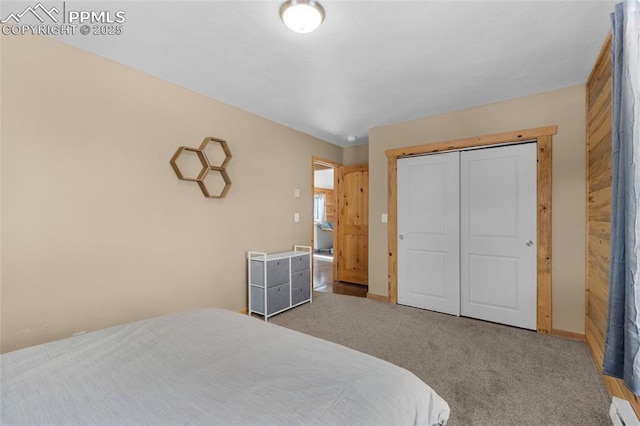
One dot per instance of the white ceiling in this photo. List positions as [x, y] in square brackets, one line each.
[371, 63]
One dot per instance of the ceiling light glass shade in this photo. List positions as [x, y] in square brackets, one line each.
[302, 16]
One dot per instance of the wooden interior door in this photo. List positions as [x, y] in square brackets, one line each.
[352, 246]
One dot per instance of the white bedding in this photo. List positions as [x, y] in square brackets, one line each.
[208, 367]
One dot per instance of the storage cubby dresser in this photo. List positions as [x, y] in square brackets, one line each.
[279, 281]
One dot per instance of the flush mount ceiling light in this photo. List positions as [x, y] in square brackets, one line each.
[302, 16]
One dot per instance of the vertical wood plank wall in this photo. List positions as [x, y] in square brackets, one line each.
[598, 173]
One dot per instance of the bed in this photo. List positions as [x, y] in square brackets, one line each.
[208, 367]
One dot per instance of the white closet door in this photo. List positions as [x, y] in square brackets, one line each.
[428, 232]
[498, 234]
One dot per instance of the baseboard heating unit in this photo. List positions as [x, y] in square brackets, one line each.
[622, 414]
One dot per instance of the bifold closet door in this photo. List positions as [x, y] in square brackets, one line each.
[498, 234]
[428, 232]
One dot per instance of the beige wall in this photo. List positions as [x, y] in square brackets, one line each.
[355, 155]
[564, 108]
[96, 228]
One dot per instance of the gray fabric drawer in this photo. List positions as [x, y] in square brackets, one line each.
[300, 294]
[257, 300]
[277, 272]
[299, 279]
[300, 263]
[277, 299]
[257, 272]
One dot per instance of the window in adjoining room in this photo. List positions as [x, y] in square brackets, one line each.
[319, 208]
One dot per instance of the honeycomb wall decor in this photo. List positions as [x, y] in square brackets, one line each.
[213, 156]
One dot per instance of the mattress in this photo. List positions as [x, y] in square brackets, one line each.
[208, 367]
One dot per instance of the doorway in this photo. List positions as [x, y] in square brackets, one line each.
[324, 222]
[325, 231]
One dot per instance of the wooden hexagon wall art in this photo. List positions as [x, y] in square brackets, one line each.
[216, 151]
[213, 156]
[181, 154]
[215, 183]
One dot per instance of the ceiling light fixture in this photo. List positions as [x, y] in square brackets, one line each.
[302, 16]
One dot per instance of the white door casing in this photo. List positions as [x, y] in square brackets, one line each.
[428, 232]
[498, 234]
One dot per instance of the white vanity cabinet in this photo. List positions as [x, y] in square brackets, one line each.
[279, 281]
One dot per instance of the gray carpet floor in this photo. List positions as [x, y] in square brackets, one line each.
[489, 374]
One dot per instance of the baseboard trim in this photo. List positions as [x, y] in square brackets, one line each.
[567, 334]
[385, 299]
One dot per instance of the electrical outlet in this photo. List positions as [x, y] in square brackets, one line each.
[296, 217]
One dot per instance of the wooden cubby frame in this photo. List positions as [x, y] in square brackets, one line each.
[201, 157]
[225, 149]
[225, 177]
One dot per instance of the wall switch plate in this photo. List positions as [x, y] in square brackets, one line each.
[385, 218]
[296, 193]
[296, 217]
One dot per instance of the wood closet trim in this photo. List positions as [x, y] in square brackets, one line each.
[543, 137]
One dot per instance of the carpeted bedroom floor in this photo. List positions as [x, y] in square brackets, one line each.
[488, 373]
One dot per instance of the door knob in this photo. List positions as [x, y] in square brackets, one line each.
[401, 236]
[528, 243]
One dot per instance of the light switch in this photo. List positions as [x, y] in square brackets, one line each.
[296, 193]
[296, 217]
[385, 218]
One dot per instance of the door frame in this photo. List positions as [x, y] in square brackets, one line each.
[333, 165]
[543, 136]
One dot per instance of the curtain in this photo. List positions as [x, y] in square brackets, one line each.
[622, 346]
